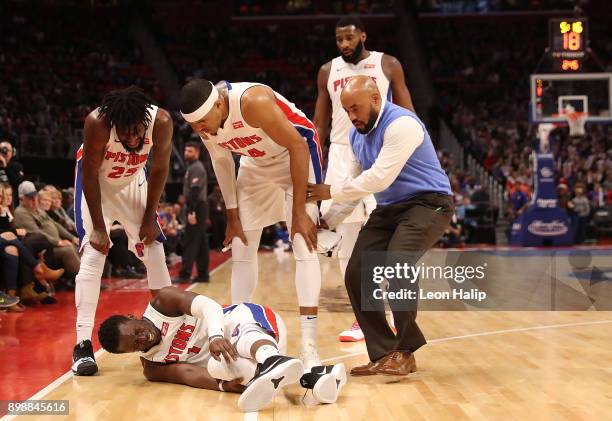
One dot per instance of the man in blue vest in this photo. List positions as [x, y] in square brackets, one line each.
[395, 160]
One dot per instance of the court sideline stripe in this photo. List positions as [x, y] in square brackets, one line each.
[474, 335]
[252, 416]
[61, 379]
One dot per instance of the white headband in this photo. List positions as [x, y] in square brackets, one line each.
[203, 109]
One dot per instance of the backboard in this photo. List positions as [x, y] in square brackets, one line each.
[552, 94]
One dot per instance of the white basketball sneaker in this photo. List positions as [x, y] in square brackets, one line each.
[325, 382]
[275, 373]
[354, 334]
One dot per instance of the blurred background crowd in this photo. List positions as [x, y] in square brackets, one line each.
[474, 57]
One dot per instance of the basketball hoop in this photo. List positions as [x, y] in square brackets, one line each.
[576, 122]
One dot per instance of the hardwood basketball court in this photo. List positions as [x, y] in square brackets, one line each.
[477, 365]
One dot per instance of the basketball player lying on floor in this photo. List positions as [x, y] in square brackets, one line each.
[181, 330]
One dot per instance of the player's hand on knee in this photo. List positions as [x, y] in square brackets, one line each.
[149, 231]
[234, 229]
[233, 386]
[303, 225]
[99, 240]
[221, 346]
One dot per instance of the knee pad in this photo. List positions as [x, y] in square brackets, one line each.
[300, 249]
[242, 252]
[155, 262]
[92, 265]
[250, 334]
[241, 368]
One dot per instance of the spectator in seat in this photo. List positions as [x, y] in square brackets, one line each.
[519, 199]
[56, 211]
[10, 167]
[581, 206]
[598, 196]
[13, 254]
[452, 234]
[170, 228]
[29, 216]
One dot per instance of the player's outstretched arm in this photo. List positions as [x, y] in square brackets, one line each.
[96, 133]
[259, 109]
[187, 374]
[322, 113]
[162, 148]
[395, 73]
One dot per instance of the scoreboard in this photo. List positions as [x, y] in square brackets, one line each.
[568, 42]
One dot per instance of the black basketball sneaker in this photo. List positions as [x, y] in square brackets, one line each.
[83, 360]
[325, 382]
[275, 373]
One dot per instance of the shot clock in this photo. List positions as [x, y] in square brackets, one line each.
[568, 42]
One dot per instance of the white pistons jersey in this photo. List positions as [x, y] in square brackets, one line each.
[253, 143]
[339, 75]
[119, 166]
[184, 339]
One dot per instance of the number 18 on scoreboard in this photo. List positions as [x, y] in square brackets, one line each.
[568, 42]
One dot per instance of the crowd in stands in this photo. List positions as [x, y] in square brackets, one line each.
[51, 74]
[483, 6]
[483, 90]
[302, 7]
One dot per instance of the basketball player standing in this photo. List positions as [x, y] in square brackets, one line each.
[111, 185]
[388, 74]
[280, 152]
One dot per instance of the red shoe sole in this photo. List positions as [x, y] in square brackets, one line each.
[349, 339]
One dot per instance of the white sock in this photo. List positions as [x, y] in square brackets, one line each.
[87, 291]
[264, 352]
[308, 325]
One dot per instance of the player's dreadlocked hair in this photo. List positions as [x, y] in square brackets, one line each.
[108, 335]
[125, 108]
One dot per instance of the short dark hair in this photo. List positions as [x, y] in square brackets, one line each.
[127, 107]
[194, 144]
[108, 335]
[351, 20]
[194, 94]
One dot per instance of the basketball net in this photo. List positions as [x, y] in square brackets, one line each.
[576, 121]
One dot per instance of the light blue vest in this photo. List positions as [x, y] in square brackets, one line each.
[422, 172]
